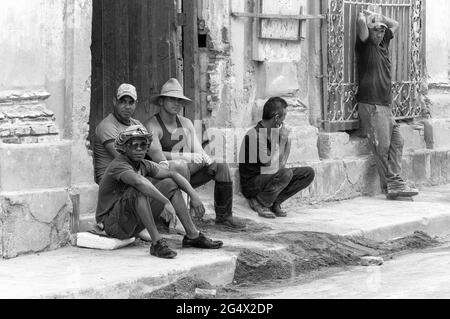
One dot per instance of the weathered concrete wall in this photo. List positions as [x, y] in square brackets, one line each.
[236, 80]
[438, 40]
[44, 107]
[243, 72]
[78, 20]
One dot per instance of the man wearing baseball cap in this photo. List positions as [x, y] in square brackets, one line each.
[106, 132]
[374, 34]
[125, 103]
[176, 137]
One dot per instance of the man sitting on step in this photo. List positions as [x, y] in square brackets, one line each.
[128, 202]
[176, 137]
[125, 103]
[265, 180]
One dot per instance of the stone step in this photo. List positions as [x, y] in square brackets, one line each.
[130, 272]
[26, 167]
[335, 180]
[34, 221]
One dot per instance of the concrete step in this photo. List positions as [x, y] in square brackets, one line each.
[336, 179]
[26, 167]
[130, 272]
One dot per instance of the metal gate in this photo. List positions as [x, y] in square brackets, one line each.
[407, 56]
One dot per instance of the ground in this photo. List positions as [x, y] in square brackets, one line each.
[310, 241]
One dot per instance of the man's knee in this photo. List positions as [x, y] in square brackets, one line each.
[398, 141]
[221, 171]
[168, 187]
[181, 168]
[309, 173]
[285, 175]
[381, 147]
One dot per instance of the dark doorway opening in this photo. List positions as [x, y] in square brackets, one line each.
[140, 42]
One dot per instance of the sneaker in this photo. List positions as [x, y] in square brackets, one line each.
[202, 242]
[408, 192]
[162, 250]
[276, 209]
[230, 222]
[392, 193]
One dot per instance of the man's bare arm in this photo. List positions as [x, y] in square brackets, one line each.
[285, 152]
[391, 23]
[144, 186]
[196, 203]
[155, 151]
[361, 27]
[111, 150]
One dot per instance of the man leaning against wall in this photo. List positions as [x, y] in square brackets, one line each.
[374, 34]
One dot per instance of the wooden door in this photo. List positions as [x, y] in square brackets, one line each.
[133, 41]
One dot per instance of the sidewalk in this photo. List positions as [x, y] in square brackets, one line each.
[130, 272]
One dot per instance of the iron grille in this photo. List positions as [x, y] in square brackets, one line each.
[340, 108]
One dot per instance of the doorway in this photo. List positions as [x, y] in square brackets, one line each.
[142, 42]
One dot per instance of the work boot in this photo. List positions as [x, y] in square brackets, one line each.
[201, 242]
[223, 205]
[162, 250]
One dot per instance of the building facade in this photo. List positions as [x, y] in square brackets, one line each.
[61, 61]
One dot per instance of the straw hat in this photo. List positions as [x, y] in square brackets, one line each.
[171, 88]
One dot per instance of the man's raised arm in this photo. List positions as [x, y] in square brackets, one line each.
[361, 27]
[391, 23]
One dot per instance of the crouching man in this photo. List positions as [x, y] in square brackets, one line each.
[128, 202]
[265, 180]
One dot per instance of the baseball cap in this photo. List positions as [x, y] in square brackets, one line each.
[126, 89]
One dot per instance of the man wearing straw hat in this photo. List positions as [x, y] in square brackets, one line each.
[374, 34]
[125, 103]
[175, 136]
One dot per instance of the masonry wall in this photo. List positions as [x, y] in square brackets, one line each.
[438, 27]
[44, 111]
[241, 72]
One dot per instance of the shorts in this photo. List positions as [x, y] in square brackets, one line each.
[122, 221]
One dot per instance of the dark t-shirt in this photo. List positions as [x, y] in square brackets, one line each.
[170, 141]
[374, 71]
[254, 154]
[112, 187]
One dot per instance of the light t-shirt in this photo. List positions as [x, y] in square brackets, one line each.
[106, 132]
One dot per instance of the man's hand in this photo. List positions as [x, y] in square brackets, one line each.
[169, 215]
[195, 158]
[207, 160]
[197, 208]
[164, 164]
[369, 13]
